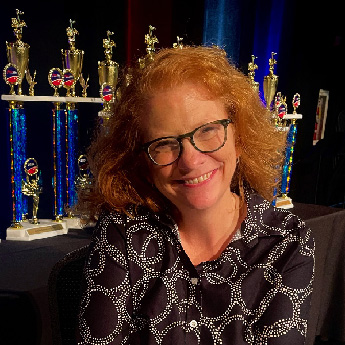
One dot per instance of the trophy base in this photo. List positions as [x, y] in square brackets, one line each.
[105, 114]
[72, 222]
[28, 231]
[284, 202]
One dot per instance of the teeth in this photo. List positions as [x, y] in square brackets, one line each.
[199, 179]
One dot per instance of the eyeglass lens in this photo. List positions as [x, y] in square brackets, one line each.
[207, 138]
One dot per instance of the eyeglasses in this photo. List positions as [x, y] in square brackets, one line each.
[207, 138]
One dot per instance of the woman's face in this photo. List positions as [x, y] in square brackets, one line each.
[195, 180]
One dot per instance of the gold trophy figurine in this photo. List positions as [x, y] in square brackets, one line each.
[32, 83]
[84, 180]
[296, 101]
[18, 53]
[72, 59]
[178, 44]
[84, 84]
[252, 66]
[31, 186]
[270, 82]
[150, 41]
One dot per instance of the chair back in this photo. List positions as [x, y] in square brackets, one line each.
[64, 289]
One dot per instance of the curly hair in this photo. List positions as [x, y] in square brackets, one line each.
[117, 162]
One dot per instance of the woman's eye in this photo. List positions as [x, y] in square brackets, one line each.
[166, 145]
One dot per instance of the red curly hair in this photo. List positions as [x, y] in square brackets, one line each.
[117, 162]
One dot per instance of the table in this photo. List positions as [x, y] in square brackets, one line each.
[24, 270]
[25, 267]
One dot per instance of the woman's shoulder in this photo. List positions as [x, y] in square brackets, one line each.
[133, 218]
[264, 219]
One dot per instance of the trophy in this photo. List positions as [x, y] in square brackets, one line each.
[72, 59]
[18, 55]
[84, 84]
[178, 44]
[150, 41]
[55, 80]
[84, 179]
[270, 82]
[296, 102]
[288, 125]
[69, 81]
[252, 66]
[31, 186]
[12, 77]
[108, 71]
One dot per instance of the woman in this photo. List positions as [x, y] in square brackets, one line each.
[186, 250]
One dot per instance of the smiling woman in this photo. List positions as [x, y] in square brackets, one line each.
[184, 236]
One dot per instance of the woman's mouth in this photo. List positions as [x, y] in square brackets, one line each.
[200, 179]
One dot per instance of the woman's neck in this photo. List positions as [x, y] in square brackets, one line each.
[205, 234]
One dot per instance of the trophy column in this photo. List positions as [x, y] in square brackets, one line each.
[59, 136]
[284, 201]
[71, 116]
[17, 124]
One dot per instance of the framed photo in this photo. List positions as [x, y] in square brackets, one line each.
[321, 115]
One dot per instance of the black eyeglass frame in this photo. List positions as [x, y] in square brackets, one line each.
[224, 122]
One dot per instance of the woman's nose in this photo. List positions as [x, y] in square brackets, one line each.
[190, 157]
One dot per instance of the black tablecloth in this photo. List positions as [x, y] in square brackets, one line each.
[24, 270]
[25, 267]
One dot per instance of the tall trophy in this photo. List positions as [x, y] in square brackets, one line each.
[34, 229]
[72, 59]
[18, 54]
[108, 71]
[150, 41]
[270, 82]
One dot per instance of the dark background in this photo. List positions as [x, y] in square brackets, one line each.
[310, 58]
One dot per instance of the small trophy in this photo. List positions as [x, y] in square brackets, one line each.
[107, 94]
[55, 80]
[178, 44]
[150, 41]
[280, 110]
[68, 81]
[252, 66]
[18, 54]
[296, 102]
[84, 179]
[12, 77]
[270, 82]
[31, 186]
[84, 84]
[72, 59]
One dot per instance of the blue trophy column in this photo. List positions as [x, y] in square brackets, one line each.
[287, 168]
[71, 155]
[18, 156]
[59, 148]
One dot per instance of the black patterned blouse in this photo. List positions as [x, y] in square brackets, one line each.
[141, 287]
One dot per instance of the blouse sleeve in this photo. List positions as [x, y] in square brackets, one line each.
[292, 273]
[105, 310]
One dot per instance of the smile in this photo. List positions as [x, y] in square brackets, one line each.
[199, 179]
